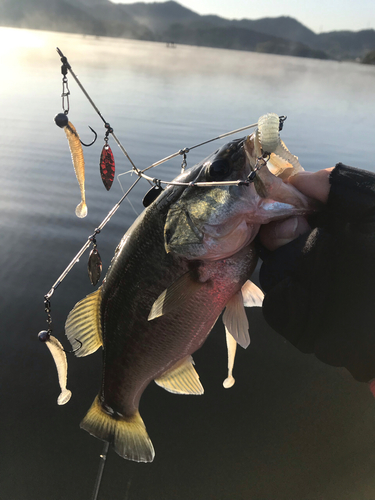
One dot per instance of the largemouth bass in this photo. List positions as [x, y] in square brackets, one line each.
[185, 259]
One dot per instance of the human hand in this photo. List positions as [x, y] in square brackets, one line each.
[278, 233]
[319, 288]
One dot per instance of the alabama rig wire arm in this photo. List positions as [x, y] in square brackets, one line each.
[45, 336]
[139, 172]
[184, 151]
[65, 62]
[88, 242]
[261, 161]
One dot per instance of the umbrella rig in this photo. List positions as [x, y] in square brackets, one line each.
[107, 173]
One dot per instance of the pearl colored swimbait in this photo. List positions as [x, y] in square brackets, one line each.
[77, 158]
[282, 162]
[59, 357]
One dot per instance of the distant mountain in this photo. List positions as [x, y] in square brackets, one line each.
[347, 44]
[117, 20]
[239, 39]
[283, 27]
[54, 15]
[89, 3]
[369, 58]
[170, 21]
[159, 16]
[279, 27]
[72, 16]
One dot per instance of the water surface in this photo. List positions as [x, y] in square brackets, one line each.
[291, 427]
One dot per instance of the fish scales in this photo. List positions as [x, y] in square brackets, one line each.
[188, 256]
[149, 348]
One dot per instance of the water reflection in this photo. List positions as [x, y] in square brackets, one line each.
[291, 427]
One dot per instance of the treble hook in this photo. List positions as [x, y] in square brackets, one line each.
[91, 143]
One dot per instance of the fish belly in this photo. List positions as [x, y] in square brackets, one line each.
[137, 351]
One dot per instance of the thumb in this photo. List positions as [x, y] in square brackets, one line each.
[313, 184]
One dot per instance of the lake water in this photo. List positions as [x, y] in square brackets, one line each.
[291, 428]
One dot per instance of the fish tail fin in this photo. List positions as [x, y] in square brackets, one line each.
[81, 210]
[127, 435]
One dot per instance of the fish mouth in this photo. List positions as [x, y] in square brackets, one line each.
[230, 242]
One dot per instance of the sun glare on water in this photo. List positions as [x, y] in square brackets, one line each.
[22, 50]
[13, 39]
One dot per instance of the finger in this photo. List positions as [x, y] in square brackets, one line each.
[279, 233]
[313, 184]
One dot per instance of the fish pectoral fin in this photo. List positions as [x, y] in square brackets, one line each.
[181, 378]
[84, 324]
[128, 435]
[235, 320]
[252, 295]
[232, 347]
[175, 296]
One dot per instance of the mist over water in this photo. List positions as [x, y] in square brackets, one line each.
[291, 427]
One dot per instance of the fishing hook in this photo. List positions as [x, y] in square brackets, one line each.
[281, 122]
[74, 350]
[45, 335]
[91, 143]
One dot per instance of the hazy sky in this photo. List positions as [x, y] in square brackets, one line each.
[318, 15]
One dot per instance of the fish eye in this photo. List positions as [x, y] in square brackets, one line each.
[219, 169]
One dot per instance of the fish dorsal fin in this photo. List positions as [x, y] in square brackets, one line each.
[252, 295]
[84, 324]
[181, 378]
[175, 296]
[232, 347]
[235, 320]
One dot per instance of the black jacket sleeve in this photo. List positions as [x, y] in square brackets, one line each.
[320, 289]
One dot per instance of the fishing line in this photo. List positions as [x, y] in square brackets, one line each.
[103, 459]
[123, 190]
